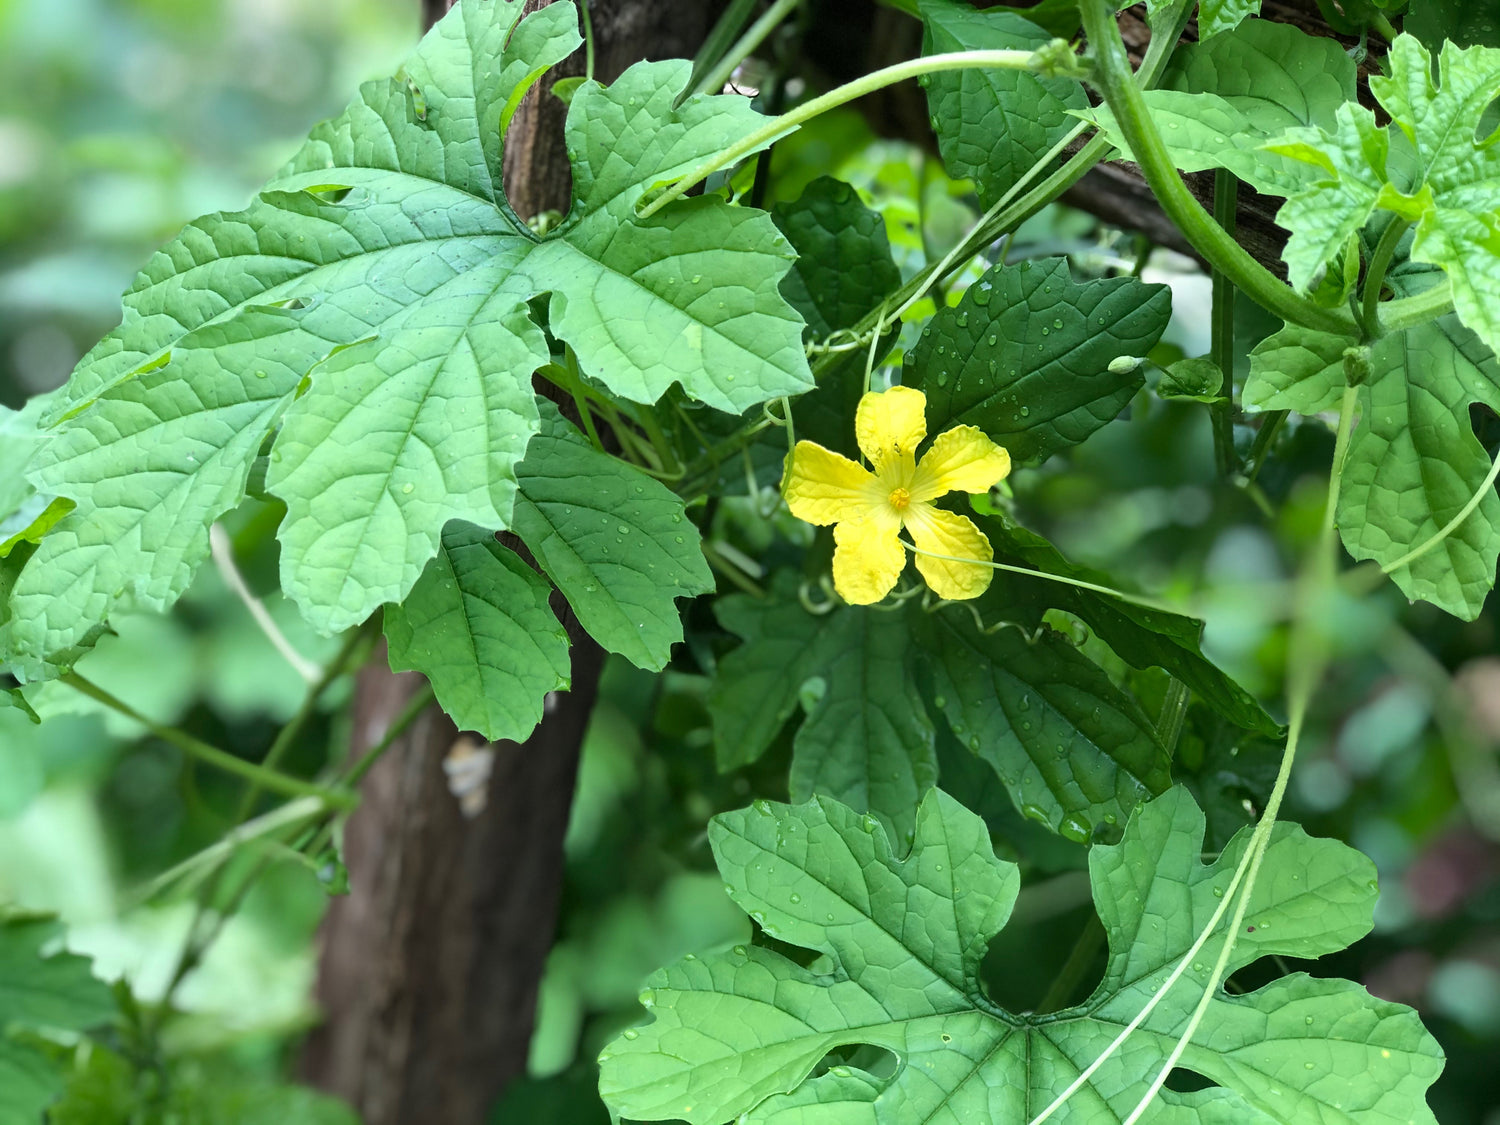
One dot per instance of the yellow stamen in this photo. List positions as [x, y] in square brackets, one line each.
[900, 498]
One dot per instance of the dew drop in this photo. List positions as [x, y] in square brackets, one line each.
[1025, 410]
[963, 319]
[632, 1034]
[1308, 1066]
[940, 701]
[795, 899]
[697, 277]
[1057, 323]
[1218, 892]
[260, 374]
[624, 530]
[1034, 812]
[408, 488]
[1075, 828]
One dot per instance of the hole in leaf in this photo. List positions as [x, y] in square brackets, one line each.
[1486, 424]
[329, 193]
[877, 1062]
[1185, 1081]
[1044, 935]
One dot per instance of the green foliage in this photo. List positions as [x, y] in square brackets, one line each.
[992, 125]
[53, 993]
[844, 267]
[1026, 353]
[478, 626]
[739, 1034]
[1224, 98]
[615, 542]
[401, 404]
[1072, 749]
[1441, 175]
[1143, 637]
[1415, 462]
[867, 739]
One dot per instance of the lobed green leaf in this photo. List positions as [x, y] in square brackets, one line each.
[737, 1035]
[372, 311]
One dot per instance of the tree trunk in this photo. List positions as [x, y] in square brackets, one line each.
[429, 968]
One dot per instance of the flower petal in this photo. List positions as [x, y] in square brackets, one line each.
[889, 426]
[824, 487]
[961, 459]
[944, 533]
[868, 557]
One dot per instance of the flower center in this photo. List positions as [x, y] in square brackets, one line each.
[900, 499]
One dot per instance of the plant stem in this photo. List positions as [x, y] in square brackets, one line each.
[1485, 489]
[419, 702]
[992, 227]
[1117, 83]
[291, 814]
[212, 755]
[1380, 263]
[777, 127]
[1307, 659]
[1263, 438]
[1133, 599]
[288, 733]
[1173, 711]
[1408, 312]
[1221, 339]
[754, 36]
[223, 555]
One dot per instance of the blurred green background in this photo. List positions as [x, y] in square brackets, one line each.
[121, 120]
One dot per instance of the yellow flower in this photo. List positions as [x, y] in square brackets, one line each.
[870, 509]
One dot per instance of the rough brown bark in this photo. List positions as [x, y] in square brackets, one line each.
[430, 967]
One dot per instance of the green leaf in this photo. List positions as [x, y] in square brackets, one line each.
[29, 1082]
[1025, 355]
[1203, 130]
[1277, 75]
[57, 992]
[1192, 380]
[866, 741]
[613, 540]
[478, 626]
[11, 699]
[1073, 750]
[844, 266]
[1465, 22]
[1218, 16]
[844, 269]
[736, 1035]
[992, 125]
[1140, 636]
[52, 993]
[1298, 369]
[1449, 189]
[1224, 98]
[374, 303]
[1414, 462]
